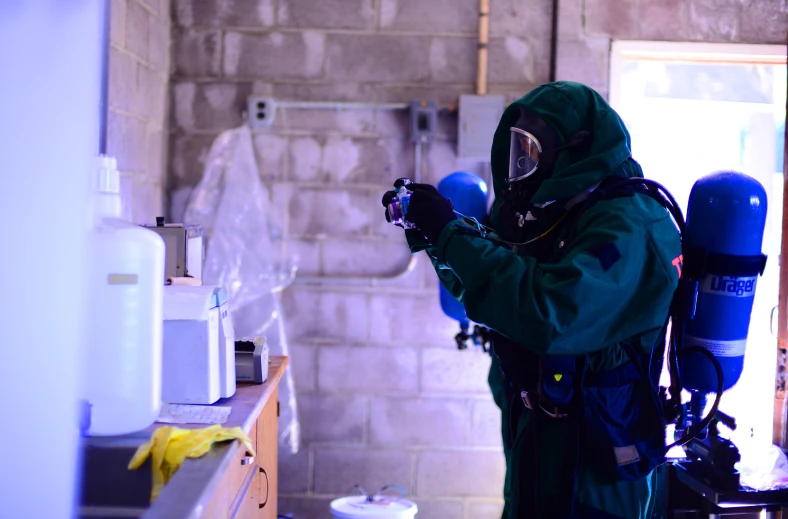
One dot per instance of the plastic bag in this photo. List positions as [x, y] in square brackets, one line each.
[247, 253]
[763, 466]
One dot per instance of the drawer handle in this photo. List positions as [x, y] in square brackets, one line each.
[247, 460]
[267, 488]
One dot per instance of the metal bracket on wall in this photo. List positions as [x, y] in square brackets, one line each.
[261, 110]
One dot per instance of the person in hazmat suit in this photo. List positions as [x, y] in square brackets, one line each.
[575, 289]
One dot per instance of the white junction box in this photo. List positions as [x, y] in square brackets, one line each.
[478, 119]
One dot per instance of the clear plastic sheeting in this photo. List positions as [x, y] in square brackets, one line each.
[763, 466]
[246, 252]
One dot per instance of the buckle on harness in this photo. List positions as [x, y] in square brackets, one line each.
[526, 400]
[556, 412]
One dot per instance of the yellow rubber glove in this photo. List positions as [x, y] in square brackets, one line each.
[170, 446]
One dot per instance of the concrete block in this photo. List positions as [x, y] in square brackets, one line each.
[453, 60]
[271, 152]
[440, 509]
[459, 473]
[436, 16]
[334, 418]
[308, 255]
[328, 14]
[209, 106]
[516, 60]
[137, 29]
[151, 94]
[126, 195]
[444, 95]
[419, 421]
[122, 80]
[127, 142]
[177, 199]
[275, 55]
[147, 201]
[364, 258]
[485, 510]
[325, 316]
[570, 20]
[584, 61]
[304, 506]
[410, 319]
[486, 424]
[187, 159]
[366, 161]
[713, 23]
[197, 52]
[615, 18]
[304, 159]
[393, 123]
[293, 477]
[763, 22]
[338, 469]
[156, 167]
[663, 20]
[223, 13]
[441, 160]
[366, 368]
[159, 44]
[447, 370]
[517, 18]
[117, 29]
[376, 58]
[324, 122]
[335, 91]
[303, 360]
[333, 212]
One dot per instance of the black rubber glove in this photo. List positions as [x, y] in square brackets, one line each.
[413, 235]
[429, 211]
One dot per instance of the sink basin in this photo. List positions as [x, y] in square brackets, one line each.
[109, 490]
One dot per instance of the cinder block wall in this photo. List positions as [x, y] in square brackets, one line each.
[383, 394]
[139, 73]
[586, 28]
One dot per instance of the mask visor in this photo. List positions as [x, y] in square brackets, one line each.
[524, 150]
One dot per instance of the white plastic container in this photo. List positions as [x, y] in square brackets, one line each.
[191, 346]
[356, 507]
[124, 346]
[226, 344]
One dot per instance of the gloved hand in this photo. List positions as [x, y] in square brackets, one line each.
[429, 211]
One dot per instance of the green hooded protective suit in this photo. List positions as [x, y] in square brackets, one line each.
[571, 300]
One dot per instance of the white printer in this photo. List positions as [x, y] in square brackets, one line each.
[198, 365]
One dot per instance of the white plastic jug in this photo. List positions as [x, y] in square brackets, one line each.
[124, 348]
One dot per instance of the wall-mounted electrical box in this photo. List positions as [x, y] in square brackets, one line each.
[478, 119]
[423, 120]
[260, 111]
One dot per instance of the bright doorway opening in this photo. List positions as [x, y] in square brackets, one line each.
[696, 108]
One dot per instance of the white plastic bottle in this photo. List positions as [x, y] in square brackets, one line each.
[124, 350]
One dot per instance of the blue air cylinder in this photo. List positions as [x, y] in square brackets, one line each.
[468, 194]
[726, 216]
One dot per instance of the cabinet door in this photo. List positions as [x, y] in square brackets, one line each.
[248, 500]
[267, 457]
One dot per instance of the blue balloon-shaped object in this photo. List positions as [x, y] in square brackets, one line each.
[468, 194]
[726, 216]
